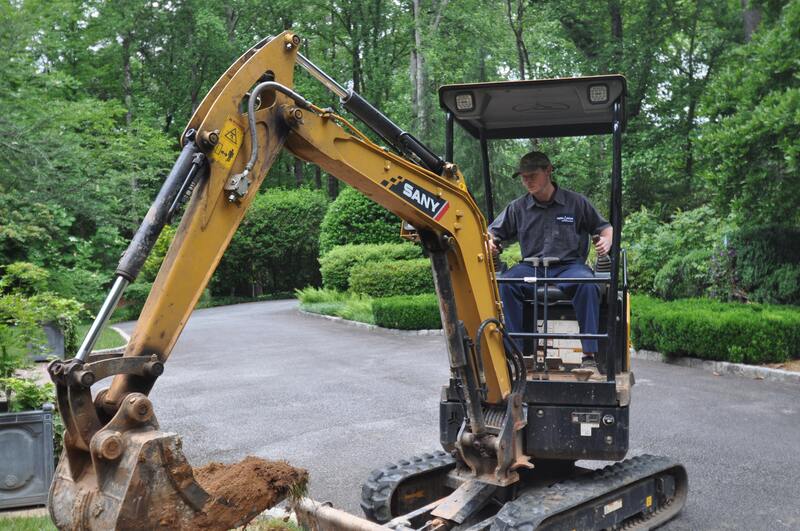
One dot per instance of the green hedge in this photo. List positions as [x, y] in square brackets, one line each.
[749, 333]
[354, 218]
[408, 312]
[276, 246]
[335, 265]
[767, 262]
[386, 278]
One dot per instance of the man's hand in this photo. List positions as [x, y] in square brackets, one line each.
[493, 247]
[602, 241]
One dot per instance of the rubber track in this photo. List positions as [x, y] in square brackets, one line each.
[532, 508]
[376, 492]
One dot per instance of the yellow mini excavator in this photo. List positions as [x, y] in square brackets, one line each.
[513, 420]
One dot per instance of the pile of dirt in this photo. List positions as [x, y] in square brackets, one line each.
[243, 490]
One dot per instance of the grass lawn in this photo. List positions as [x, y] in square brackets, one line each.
[43, 523]
[26, 523]
[108, 339]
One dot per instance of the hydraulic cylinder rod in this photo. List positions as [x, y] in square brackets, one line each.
[376, 120]
[185, 168]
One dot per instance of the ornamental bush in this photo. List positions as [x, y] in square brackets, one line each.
[354, 218]
[702, 328]
[408, 312]
[335, 265]
[276, 247]
[684, 276]
[386, 278]
[766, 261]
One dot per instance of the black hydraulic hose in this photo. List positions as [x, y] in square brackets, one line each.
[513, 355]
[251, 117]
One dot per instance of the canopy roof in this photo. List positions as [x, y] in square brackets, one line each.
[536, 109]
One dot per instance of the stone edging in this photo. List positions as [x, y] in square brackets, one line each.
[374, 328]
[721, 367]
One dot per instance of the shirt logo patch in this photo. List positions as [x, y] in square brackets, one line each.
[565, 219]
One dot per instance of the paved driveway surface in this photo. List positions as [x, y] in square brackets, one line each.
[263, 379]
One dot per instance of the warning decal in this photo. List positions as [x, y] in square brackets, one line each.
[230, 140]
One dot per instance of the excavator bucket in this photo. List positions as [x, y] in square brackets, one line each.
[139, 478]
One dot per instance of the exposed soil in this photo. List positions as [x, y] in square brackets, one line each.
[243, 490]
[791, 365]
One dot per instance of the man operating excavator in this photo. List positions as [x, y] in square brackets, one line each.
[554, 223]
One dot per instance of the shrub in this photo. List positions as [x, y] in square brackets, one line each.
[153, 263]
[751, 333]
[408, 312]
[336, 265]
[276, 247]
[354, 218]
[87, 287]
[328, 302]
[766, 261]
[684, 276]
[386, 277]
[652, 245]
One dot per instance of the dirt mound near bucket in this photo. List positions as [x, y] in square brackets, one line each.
[243, 490]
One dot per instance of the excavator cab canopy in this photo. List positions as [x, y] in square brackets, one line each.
[543, 108]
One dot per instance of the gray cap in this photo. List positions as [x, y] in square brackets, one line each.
[532, 162]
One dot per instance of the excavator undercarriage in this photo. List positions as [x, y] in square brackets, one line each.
[513, 422]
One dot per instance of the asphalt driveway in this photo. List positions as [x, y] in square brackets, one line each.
[262, 379]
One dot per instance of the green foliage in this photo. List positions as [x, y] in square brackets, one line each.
[766, 263]
[674, 250]
[131, 305]
[336, 264]
[701, 328]
[349, 306]
[276, 246]
[753, 139]
[408, 312]
[27, 394]
[157, 255]
[354, 218]
[24, 278]
[392, 277]
[684, 276]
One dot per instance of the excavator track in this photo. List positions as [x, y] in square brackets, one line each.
[401, 487]
[636, 494]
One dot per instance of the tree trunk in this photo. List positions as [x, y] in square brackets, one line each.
[317, 177]
[298, 173]
[615, 12]
[333, 187]
[418, 72]
[127, 82]
[751, 18]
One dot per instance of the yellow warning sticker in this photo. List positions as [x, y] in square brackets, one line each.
[230, 140]
[648, 501]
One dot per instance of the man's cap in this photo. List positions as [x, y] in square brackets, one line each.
[532, 162]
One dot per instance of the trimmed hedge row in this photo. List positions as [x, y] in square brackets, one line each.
[749, 333]
[408, 312]
[392, 277]
[336, 264]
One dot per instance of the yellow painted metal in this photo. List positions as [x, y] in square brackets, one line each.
[365, 166]
[210, 220]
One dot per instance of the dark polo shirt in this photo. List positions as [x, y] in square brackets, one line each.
[559, 228]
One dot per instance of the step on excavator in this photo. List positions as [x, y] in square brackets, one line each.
[514, 419]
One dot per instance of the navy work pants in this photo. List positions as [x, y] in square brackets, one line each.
[585, 297]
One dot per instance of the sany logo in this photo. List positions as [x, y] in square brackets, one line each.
[420, 197]
[429, 203]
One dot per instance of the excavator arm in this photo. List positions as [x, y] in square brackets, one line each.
[119, 469]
